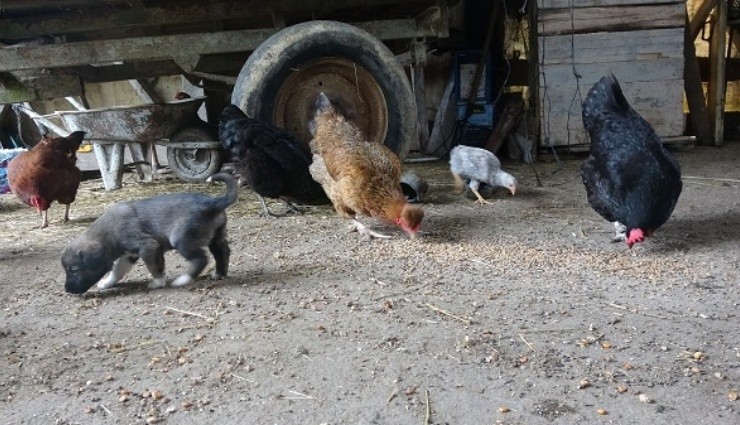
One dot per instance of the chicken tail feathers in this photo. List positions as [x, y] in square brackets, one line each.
[232, 112]
[323, 105]
[604, 99]
[232, 190]
[76, 139]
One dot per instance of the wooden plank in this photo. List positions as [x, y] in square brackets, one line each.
[611, 47]
[561, 4]
[649, 64]
[717, 88]
[74, 21]
[694, 91]
[626, 72]
[422, 121]
[444, 121]
[129, 49]
[559, 136]
[659, 102]
[27, 4]
[593, 19]
[650, 98]
[701, 15]
[41, 87]
[253, 14]
[126, 71]
[533, 58]
[185, 49]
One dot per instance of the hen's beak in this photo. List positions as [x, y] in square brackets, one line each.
[512, 190]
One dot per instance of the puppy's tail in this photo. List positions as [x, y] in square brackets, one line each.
[232, 190]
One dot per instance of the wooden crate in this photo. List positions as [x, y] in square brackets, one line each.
[639, 41]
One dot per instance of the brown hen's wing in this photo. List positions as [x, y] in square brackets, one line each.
[369, 179]
[69, 183]
[320, 174]
[385, 161]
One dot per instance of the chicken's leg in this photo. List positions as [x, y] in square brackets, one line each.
[266, 211]
[474, 185]
[480, 200]
[365, 231]
[459, 183]
[44, 219]
[66, 213]
[621, 230]
[291, 207]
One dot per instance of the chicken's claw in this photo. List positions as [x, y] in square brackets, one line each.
[481, 200]
[621, 232]
[363, 230]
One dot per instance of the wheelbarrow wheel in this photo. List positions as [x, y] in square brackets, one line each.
[280, 82]
[196, 164]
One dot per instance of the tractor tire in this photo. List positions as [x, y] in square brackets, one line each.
[282, 78]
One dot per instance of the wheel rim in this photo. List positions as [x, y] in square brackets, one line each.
[193, 162]
[351, 89]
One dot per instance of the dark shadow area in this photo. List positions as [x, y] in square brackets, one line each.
[686, 233]
[204, 282]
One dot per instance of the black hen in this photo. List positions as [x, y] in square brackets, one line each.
[630, 178]
[269, 160]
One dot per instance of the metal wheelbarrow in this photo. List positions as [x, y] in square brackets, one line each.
[193, 150]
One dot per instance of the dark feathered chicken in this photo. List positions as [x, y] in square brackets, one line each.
[47, 173]
[630, 178]
[269, 160]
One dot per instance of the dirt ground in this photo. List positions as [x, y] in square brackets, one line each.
[519, 312]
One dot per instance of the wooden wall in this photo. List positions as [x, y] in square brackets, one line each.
[639, 41]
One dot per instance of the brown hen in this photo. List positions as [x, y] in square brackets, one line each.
[47, 173]
[359, 176]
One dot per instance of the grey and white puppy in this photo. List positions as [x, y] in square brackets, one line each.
[146, 229]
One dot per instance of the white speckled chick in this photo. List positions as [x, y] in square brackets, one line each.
[479, 166]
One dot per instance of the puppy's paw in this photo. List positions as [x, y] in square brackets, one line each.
[182, 280]
[107, 281]
[157, 282]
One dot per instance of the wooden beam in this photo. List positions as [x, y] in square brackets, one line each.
[185, 49]
[534, 104]
[694, 90]
[41, 87]
[601, 19]
[9, 5]
[444, 121]
[203, 14]
[566, 4]
[485, 50]
[421, 107]
[717, 84]
[129, 49]
[126, 71]
[701, 15]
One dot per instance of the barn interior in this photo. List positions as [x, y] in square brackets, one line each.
[519, 311]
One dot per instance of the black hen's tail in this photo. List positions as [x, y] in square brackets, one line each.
[232, 191]
[231, 131]
[604, 100]
[230, 113]
[228, 123]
